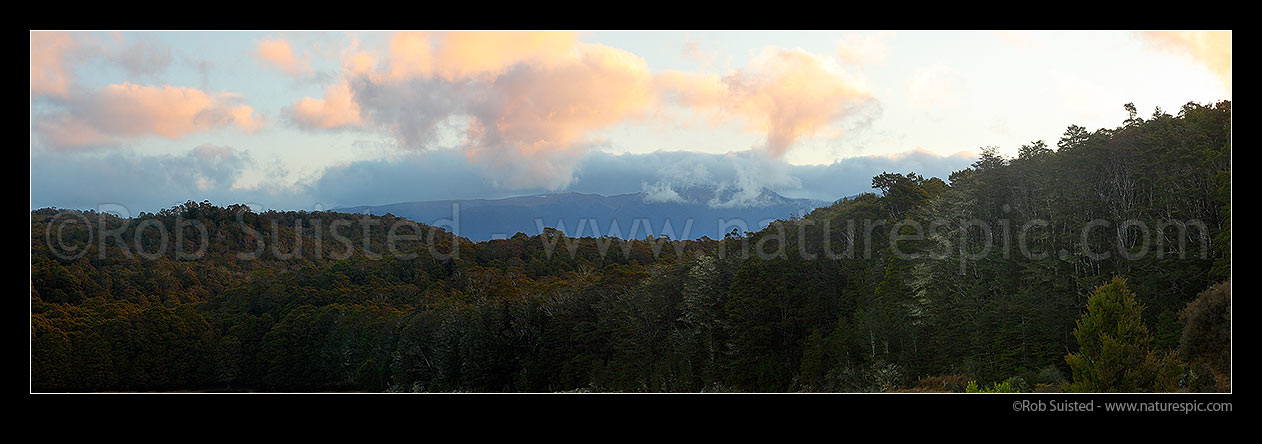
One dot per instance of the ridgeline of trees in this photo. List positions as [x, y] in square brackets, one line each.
[1022, 302]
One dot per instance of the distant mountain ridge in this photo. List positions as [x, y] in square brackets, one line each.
[688, 213]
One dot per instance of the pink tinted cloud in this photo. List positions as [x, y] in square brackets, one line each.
[54, 54]
[463, 54]
[411, 55]
[81, 118]
[277, 52]
[49, 72]
[460, 55]
[1210, 48]
[336, 110]
[128, 111]
[532, 101]
[535, 121]
[784, 94]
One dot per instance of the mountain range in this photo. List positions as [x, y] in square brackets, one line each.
[687, 213]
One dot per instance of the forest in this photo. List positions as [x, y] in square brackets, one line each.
[1099, 264]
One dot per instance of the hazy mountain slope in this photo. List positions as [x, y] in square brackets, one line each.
[689, 214]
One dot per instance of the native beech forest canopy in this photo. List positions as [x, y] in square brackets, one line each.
[918, 310]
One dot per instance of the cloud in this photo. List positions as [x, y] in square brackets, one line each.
[277, 52]
[411, 110]
[531, 123]
[215, 173]
[864, 49]
[661, 192]
[140, 182]
[53, 55]
[784, 94]
[528, 103]
[213, 166]
[528, 100]
[76, 118]
[1210, 48]
[357, 62]
[666, 176]
[691, 50]
[935, 87]
[336, 110]
[732, 180]
[50, 74]
[412, 176]
[411, 55]
[143, 58]
[464, 55]
[127, 111]
[850, 176]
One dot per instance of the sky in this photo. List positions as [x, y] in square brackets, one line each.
[322, 120]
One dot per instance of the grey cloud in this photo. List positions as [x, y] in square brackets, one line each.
[446, 174]
[150, 183]
[412, 110]
[851, 176]
[143, 58]
[147, 182]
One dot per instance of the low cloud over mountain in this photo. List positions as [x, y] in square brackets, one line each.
[739, 179]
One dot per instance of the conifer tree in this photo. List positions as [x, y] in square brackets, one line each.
[1115, 348]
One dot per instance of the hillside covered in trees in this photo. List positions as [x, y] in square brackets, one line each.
[1101, 263]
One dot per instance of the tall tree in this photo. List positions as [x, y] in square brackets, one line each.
[1206, 340]
[1114, 346]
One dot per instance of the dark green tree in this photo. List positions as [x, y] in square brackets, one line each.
[1114, 346]
[1206, 340]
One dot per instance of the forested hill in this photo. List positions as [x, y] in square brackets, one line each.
[991, 277]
